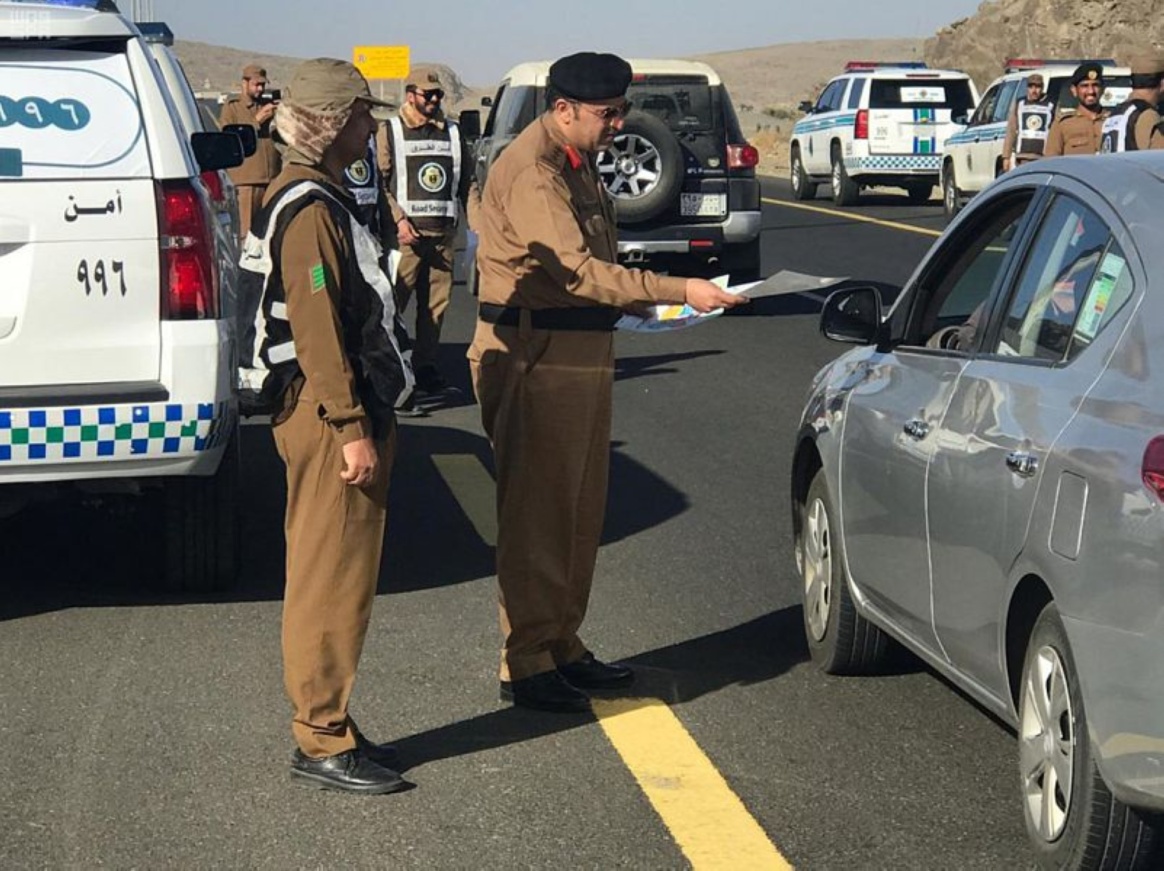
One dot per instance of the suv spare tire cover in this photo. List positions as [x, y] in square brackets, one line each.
[644, 145]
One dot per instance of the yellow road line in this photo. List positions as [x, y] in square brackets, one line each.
[707, 820]
[474, 490]
[893, 225]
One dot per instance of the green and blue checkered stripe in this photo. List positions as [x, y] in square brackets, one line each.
[112, 432]
[895, 162]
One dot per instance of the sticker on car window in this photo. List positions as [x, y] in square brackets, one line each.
[1111, 269]
[72, 115]
[923, 94]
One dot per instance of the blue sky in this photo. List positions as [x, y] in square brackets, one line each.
[481, 39]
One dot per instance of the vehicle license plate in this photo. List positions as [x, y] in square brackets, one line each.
[703, 205]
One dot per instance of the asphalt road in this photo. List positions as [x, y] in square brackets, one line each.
[144, 731]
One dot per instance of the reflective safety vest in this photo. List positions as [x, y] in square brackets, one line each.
[1033, 121]
[362, 179]
[426, 172]
[375, 338]
[1119, 130]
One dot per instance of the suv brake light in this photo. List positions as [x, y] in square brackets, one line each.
[742, 156]
[189, 272]
[861, 127]
[1152, 469]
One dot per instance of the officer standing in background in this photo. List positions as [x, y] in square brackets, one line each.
[1131, 126]
[257, 171]
[542, 362]
[427, 168]
[1079, 132]
[1027, 125]
[338, 369]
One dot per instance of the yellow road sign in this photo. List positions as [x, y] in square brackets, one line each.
[382, 61]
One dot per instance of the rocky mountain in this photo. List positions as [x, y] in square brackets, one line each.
[1046, 28]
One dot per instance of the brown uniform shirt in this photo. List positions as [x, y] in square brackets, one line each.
[1147, 136]
[547, 235]
[262, 166]
[1075, 134]
[311, 261]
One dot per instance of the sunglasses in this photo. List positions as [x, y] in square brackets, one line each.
[607, 113]
[435, 95]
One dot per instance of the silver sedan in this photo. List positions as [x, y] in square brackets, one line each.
[982, 481]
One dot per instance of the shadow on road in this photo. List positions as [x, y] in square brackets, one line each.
[626, 368]
[750, 653]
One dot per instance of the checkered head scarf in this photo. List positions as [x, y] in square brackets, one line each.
[308, 133]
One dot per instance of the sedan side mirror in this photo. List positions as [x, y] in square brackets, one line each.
[852, 315]
[246, 134]
[217, 150]
[806, 106]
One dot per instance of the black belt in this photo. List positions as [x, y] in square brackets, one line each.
[599, 318]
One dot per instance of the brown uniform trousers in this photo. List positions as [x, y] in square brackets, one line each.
[548, 241]
[258, 170]
[335, 534]
[426, 269]
[250, 199]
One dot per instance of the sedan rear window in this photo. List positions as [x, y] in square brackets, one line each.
[70, 113]
[922, 93]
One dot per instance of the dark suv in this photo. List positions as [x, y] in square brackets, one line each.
[682, 176]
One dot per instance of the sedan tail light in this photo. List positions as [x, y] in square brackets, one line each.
[1152, 469]
[188, 269]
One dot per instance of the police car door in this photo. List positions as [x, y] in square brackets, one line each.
[986, 150]
[823, 128]
[79, 251]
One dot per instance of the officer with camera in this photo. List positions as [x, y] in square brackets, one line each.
[254, 105]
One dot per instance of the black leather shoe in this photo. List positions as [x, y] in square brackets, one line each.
[382, 754]
[590, 674]
[347, 772]
[547, 691]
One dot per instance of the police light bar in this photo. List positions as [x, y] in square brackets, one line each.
[95, 5]
[1018, 64]
[156, 31]
[854, 65]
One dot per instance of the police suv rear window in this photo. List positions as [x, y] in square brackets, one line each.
[922, 93]
[70, 112]
[681, 102]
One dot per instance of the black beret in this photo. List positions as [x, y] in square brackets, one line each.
[1087, 72]
[589, 76]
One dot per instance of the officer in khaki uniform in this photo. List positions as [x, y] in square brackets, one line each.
[427, 168]
[1133, 124]
[1027, 125]
[336, 431]
[1079, 132]
[542, 363]
[255, 173]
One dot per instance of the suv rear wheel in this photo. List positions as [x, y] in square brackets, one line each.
[919, 192]
[643, 168]
[951, 198]
[845, 190]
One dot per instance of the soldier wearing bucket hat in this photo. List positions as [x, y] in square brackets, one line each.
[255, 173]
[1132, 125]
[542, 361]
[1079, 132]
[1027, 125]
[335, 372]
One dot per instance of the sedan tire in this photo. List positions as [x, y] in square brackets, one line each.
[1072, 818]
[840, 640]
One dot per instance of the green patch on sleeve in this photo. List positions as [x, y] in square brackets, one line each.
[318, 278]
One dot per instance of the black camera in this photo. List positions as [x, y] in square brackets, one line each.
[272, 96]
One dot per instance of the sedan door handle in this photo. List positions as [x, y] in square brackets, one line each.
[1022, 464]
[917, 429]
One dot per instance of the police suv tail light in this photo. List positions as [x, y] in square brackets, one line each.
[189, 273]
[1152, 469]
[742, 156]
[213, 182]
[861, 126]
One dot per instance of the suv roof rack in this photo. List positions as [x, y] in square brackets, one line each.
[156, 31]
[854, 65]
[1018, 64]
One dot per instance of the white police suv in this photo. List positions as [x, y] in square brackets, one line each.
[878, 123]
[972, 157]
[117, 348]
